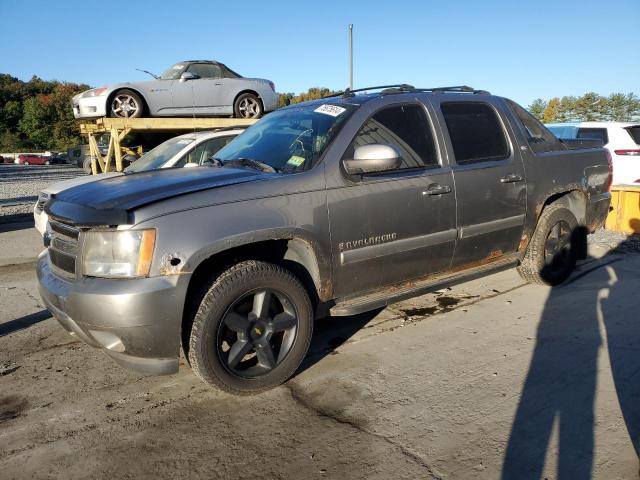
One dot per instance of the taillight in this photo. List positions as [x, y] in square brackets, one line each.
[627, 152]
[610, 165]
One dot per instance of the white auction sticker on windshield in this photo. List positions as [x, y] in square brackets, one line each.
[332, 110]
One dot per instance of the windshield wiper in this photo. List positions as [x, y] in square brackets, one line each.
[148, 72]
[251, 163]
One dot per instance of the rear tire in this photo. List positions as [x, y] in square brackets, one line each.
[26, 163]
[252, 328]
[248, 105]
[47, 162]
[550, 258]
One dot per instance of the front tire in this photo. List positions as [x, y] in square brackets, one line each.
[126, 104]
[247, 105]
[252, 328]
[550, 258]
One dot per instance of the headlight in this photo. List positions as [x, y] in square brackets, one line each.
[94, 92]
[118, 254]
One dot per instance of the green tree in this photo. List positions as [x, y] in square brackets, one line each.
[566, 109]
[589, 107]
[537, 108]
[36, 121]
[10, 142]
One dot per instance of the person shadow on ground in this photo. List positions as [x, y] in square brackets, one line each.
[600, 300]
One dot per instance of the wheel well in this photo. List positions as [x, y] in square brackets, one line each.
[113, 94]
[574, 200]
[293, 254]
[253, 92]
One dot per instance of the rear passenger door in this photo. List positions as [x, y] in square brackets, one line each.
[489, 179]
[392, 226]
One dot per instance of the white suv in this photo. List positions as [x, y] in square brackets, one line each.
[622, 139]
[188, 150]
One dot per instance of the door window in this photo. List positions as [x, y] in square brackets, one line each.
[540, 139]
[404, 126]
[205, 70]
[204, 151]
[475, 132]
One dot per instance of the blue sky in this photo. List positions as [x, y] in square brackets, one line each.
[522, 50]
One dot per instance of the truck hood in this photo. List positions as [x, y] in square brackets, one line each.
[74, 182]
[109, 201]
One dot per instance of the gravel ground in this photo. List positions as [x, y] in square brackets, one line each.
[615, 241]
[20, 184]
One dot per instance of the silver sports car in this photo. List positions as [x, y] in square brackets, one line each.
[193, 87]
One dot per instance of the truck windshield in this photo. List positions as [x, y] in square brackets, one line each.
[289, 140]
[160, 155]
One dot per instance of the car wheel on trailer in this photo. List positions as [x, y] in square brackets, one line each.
[47, 162]
[550, 258]
[26, 163]
[247, 105]
[126, 104]
[251, 329]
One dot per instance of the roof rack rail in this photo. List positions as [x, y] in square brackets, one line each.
[347, 92]
[404, 88]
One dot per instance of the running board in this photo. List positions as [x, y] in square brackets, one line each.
[394, 294]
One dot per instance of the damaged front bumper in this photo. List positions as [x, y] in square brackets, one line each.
[134, 321]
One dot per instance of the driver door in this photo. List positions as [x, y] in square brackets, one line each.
[391, 227]
[202, 95]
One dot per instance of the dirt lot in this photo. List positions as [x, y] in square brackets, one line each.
[492, 378]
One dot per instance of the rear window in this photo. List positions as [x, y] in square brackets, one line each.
[635, 133]
[475, 132]
[594, 134]
[539, 138]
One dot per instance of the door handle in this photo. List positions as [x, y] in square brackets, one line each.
[217, 84]
[437, 189]
[511, 178]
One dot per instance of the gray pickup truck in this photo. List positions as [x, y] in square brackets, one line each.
[336, 206]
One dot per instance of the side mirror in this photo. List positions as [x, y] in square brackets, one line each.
[188, 76]
[373, 158]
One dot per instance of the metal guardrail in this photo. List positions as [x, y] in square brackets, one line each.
[625, 213]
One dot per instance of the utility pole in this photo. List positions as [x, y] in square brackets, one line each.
[351, 56]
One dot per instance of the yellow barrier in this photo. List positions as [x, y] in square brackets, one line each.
[625, 213]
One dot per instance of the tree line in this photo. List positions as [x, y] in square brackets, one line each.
[617, 107]
[37, 115]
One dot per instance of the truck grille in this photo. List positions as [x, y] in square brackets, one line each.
[63, 249]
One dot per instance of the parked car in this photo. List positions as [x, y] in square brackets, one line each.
[193, 87]
[29, 159]
[340, 205]
[190, 149]
[622, 139]
[3, 160]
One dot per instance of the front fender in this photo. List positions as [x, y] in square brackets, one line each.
[302, 247]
